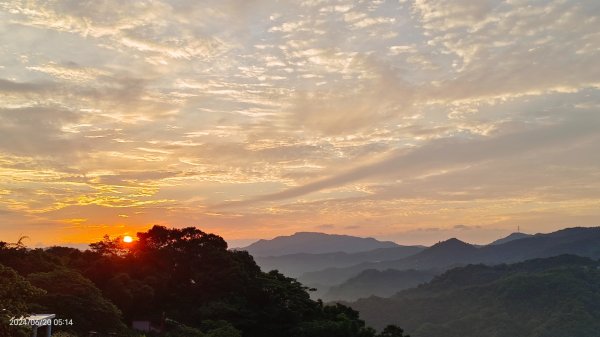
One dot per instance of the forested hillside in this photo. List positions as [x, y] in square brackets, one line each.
[558, 296]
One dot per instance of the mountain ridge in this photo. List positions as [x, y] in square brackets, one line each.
[315, 243]
[297, 264]
[583, 241]
[556, 296]
[373, 282]
[510, 237]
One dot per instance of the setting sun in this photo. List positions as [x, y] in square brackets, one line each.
[127, 239]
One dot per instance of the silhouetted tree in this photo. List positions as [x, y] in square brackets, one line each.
[15, 295]
[72, 296]
[110, 247]
[392, 331]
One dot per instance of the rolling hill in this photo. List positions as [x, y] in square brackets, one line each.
[295, 265]
[378, 283]
[440, 256]
[549, 297]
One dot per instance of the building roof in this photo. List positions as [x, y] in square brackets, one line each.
[39, 318]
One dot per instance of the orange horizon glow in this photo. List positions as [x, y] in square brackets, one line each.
[408, 121]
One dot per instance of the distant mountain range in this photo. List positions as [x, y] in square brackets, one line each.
[440, 256]
[557, 296]
[335, 264]
[297, 264]
[453, 252]
[314, 243]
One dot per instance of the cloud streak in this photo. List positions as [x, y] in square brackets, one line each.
[447, 153]
[377, 117]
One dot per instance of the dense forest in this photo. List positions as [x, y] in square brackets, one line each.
[549, 297]
[186, 282]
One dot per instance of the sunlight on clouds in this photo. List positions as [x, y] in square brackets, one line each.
[70, 72]
[261, 118]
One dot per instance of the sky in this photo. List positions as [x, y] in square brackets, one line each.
[411, 121]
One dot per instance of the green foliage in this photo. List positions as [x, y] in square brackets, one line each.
[71, 296]
[557, 296]
[15, 294]
[220, 329]
[207, 328]
[26, 261]
[63, 334]
[131, 295]
[336, 321]
[392, 331]
[176, 329]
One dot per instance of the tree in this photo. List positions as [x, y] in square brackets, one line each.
[219, 329]
[19, 244]
[72, 296]
[25, 261]
[15, 294]
[132, 296]
[109, 247]
[392, 331]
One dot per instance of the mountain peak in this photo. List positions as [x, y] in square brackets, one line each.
[450, 247]
[308, 233]
[510, 237]
[452, 242]
[314, 234]
[315, 243]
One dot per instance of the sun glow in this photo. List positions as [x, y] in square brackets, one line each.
[127, 239]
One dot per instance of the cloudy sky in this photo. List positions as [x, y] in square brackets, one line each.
[412, 121]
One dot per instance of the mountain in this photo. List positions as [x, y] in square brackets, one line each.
[295, 265]
[511, 237]
[314, 243]
[549, 297]
[582, 241]
[378, 283]
[439, 256]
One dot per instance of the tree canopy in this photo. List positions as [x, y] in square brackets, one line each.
[557, 296]
[15, 295]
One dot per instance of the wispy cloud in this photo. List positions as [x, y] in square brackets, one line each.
[373, 116]
[448, 153]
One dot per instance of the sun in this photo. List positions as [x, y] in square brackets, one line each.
[127, 239]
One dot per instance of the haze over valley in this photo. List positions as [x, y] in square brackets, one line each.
[342, 273]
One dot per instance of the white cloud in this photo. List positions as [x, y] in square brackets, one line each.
[239, 99]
